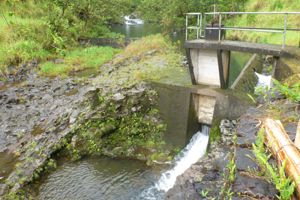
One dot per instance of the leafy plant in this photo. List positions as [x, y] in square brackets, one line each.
[204, 193]
[290, 92]
[231, 167]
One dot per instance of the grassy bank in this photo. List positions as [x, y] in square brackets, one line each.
[77, 60]
[267, 21]
[23, 39]
[43, 30]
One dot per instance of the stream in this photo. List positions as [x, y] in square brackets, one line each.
[98, 178]
[112, 179]
[109, 179]
[133, 32]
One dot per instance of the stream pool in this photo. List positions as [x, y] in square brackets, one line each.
[98, 178]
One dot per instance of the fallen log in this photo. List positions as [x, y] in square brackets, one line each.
[283, 149]
[297, 139]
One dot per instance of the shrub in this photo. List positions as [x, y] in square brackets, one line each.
[24, 50]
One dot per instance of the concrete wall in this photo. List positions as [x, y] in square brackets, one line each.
[204, 107]
[205, 67]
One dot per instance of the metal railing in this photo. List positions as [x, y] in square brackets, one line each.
[220, 15]
[198, 26]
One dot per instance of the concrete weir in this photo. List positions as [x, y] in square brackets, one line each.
[210, 67]
[209, 60]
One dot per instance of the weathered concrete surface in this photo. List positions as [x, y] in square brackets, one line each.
[204, 107]
[264, 49]
[209, 67]
[205, 67]
[288, 70]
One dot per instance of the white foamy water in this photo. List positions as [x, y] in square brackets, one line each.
[187, 157]
[263, 80]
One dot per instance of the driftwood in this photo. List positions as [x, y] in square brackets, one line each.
[283, 149]
[297, 139]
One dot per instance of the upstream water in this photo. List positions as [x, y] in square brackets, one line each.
[133, 32]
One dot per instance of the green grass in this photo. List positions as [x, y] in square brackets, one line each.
[78, 60]
[23, 39]
[138, 48]
[267, 21]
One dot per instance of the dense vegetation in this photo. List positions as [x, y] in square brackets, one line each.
[171, 13]
[268, 21]
[43, 29]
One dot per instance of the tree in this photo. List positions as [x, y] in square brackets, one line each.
[171, 13]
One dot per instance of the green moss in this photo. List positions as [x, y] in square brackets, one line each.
[215, 132]
[120, 132]
[51, 69]
[20, 195]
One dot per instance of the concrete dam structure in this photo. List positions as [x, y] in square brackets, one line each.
[209, 54]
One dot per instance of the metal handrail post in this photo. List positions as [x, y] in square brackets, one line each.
[186, 27]
[200, 28]
[204, 24]
[198, 21]
[284, 31]
[220, 23]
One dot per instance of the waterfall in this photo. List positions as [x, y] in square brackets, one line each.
[187, 157]
[264, 80]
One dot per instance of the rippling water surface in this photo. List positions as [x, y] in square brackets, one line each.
[100, 178]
